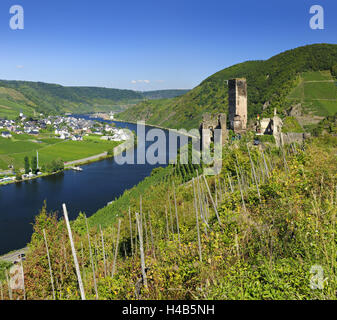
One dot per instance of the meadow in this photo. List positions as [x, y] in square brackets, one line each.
[14, 150]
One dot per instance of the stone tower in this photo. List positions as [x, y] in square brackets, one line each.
[237, 101]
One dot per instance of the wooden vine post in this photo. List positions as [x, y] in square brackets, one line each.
[141, 248]
[49, 263]
[77, 267]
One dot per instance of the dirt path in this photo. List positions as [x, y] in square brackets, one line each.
[11, 257]
[70, 163]
[7, 172]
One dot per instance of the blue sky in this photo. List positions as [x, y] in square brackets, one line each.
[164, 44]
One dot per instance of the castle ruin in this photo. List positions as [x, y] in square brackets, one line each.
[209, 124]
[237, 101]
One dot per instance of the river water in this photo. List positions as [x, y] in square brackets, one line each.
[86, 191]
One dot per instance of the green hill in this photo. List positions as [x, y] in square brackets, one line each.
[163, 94]
[42, 97]
[53, 98]
[12, 102]
[270, 82]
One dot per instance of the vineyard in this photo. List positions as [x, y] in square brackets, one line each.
[255, 231]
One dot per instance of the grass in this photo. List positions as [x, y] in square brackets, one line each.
[14, 150]
[290, 124]
[317, 75]
[11, 109]
[3, 266]
[320, 90]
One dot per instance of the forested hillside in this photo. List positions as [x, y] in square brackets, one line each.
[163, 94]
[269, 84]
[53, 98]
[47, 98]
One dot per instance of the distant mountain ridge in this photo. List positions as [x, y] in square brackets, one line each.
[269, 84]
[43, 97]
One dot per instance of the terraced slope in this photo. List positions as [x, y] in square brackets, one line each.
[12, 102]
[317, 93]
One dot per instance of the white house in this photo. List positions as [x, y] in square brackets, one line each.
[77, 138]
[6, 134]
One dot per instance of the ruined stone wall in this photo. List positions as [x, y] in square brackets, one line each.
[209, 124]
[293, 137]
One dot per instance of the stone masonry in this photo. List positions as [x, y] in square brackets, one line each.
[209, 124]
[237, 101]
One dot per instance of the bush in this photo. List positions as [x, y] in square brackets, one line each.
[290, 124]
[18, 176]
[54, 166]
[266, 138]
[3, 266]
[334, 70]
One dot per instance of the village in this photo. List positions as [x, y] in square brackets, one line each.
[62, 128]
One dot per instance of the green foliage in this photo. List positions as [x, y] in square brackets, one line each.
[54, 166]
[163, 94]
[266, 138]
[56, 99]
[18, 176]
[334, 70]
[290, 124]
[4, 265]
[27, 165]
[327, 125]
[31, 97]
[34, 164]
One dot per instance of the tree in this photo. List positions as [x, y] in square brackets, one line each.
[34, 165]
[334, 70]
[27, 166]
[18, 176]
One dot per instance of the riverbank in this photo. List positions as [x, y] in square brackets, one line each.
[98, 184]
[13, 255]
[68, 166]
[159, 127]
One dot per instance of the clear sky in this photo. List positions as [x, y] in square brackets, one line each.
[150, 44]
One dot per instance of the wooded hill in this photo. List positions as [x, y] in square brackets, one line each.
[48, 98]
[163, 94]
[269, 82]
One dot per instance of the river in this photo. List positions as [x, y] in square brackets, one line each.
[86, 191]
